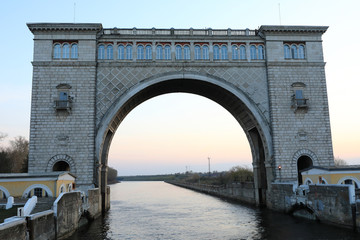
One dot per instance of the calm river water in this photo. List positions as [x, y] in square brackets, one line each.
[156, 210]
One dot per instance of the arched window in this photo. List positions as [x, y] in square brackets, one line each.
[61, 166]
[294, 52]
[159, 52]
[65, 51]
[186, 52]
[101, 52]
[205, 52]
[308, 181]
[253, 52]
[287, 51]
[301, 52]
[121, 52]
[242, 52]
[148, 52]
[261, 52]
[57, 51]
[129, 52]
[350, 182]
[70, 187]
[224, 52]
[216, 52]
[74, 51]
[109, 52]
[178, 52]
[62, 189]
[235, 52]
[167, 52]
[197, 52]
[140, 52]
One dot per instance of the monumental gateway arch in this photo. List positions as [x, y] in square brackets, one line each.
[87, 78]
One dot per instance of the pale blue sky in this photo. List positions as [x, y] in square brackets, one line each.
[341, 53]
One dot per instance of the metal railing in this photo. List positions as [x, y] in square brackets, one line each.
[62, 104]
[300, 102]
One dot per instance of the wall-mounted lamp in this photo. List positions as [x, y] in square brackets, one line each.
[279, 168]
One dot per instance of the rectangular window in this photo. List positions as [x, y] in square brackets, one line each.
[38, 192]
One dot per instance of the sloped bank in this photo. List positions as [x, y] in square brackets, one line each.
[241, 192]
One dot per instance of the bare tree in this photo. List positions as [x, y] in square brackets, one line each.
[339, 162]
[15, 157]
[2, 136]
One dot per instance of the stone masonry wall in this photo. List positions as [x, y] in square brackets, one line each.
[60, 135]
[55, 132]
[301, 132]
[114, 80]
[288, 125]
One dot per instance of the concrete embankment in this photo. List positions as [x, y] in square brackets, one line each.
[69, 212]
[331, 204]
[242, 192]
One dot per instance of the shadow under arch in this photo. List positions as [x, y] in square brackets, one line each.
[244, 110]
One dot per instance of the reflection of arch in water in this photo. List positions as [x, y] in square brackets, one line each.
[244, 110]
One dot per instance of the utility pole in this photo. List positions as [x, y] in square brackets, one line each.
[209, 165]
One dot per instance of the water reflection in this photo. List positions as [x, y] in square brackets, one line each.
[156, 210]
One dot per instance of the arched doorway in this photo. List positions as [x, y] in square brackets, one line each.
[61, 166]
[245, 111]
[303, 163]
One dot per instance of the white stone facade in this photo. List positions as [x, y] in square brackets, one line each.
[102, 88]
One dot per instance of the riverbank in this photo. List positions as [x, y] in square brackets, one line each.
[240, 192]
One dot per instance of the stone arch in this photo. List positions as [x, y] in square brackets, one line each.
[239, 104]
[61, 157]
[5, 191]
[308, 180]
[46, 188]
[305, 152]
[322, 179]
[309, 158]
[350, 178]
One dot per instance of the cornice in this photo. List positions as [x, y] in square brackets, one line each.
[40, 27]
[64, 64]
[292, 29]
[295, 64]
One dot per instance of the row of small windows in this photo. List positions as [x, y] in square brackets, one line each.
[66, 51]
[181, 52]
[294, 51]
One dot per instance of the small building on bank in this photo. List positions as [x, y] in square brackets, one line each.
[347, 174]
[26, 185]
